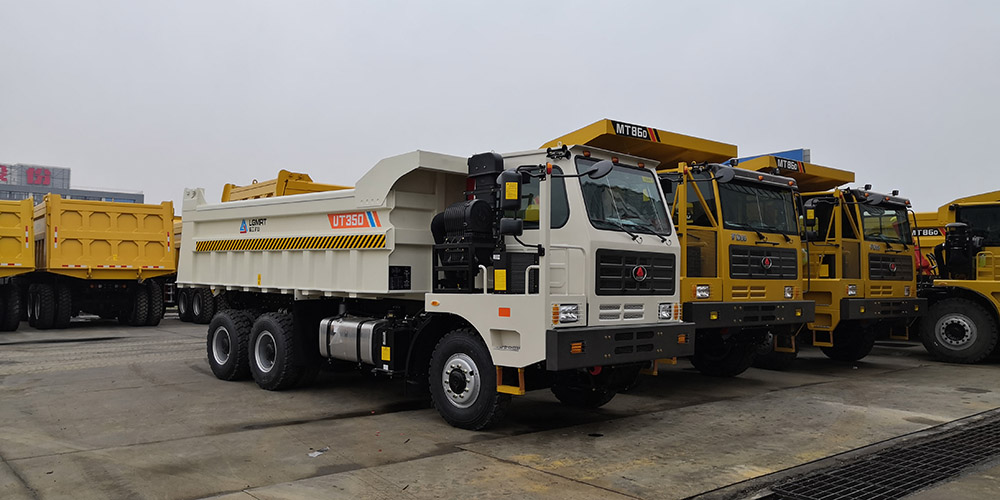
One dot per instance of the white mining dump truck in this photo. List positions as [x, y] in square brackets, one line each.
[430, 270]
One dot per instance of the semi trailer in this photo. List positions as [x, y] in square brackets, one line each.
[739, 240]
[103, 258]
[477, 278]
[860, 268]
[963, 284]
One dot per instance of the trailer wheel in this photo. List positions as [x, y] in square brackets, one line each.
[64, 306]
[44, 305]
[139, 312]
[228, 337]
[155, 313]
[275, 360]
[851, 342]
[722, 357]
[769, 359]
[184, 305]
[202, 305]
[958, 331]
[463, 382]
[12, 307]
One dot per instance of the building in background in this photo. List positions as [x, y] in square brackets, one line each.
[19, 181]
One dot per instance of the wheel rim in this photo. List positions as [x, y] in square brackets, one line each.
[956, 331]
[221, 345]
[460, 380]
[196, 304]
[265, 351]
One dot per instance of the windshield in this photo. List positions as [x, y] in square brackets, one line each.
[625, 200]
[757, 208]
[888, 224]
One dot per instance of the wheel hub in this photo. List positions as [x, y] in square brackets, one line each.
[221, 345]
[460, 380]
[265, 351]
[956, 332]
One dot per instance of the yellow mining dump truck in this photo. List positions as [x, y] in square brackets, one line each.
[102, 258]
[740, 279]
[198, 305]
[17, 257]
[964, 291]
[861, 270]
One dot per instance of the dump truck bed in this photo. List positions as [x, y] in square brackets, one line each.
[17, 247]
[286, 183]
[104, 240]
[374, 239]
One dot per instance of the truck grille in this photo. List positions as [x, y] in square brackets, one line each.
[618, 273]
[890, 267]
[617, 312]
[747, 262]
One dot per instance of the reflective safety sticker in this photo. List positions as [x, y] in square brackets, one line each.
[344, 242]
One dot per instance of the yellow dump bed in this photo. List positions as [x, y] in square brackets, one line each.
[104, 240]
[668, 148]
[17, 245]
[809, 176]
[287, 183]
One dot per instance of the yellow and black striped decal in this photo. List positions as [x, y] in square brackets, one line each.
[344, 242]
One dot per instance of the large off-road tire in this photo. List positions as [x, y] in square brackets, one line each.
[276, 362]
[184, 305]
[64, 306]
[720, 357]
[463, 381]
[228, 338]
[140, 307]
[202, 305]
[769, 359]
[10, 296]
[958, 331]
[155, 290]
[851, 342]
[43, 305]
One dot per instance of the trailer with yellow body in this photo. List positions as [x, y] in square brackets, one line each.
[963, 291]
[740, 278]
[103, 258]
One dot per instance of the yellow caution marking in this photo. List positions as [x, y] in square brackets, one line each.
[344, 242]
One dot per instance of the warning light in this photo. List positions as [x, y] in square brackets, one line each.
[642, 165]
[614, 159]
[682, 339]
[586, 154]
[576, 348]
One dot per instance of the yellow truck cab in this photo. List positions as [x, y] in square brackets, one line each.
[963, 292]
[861, 270]
[740, 244]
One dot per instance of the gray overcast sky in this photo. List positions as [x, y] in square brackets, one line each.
[158, 96]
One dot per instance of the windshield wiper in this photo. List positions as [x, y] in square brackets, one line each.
[621, 226]
[776, 230]
[647, 228]
[747, 227]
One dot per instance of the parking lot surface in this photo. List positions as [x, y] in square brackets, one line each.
[108, 411]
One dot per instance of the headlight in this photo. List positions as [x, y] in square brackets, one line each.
[906, 290]
[852, 290]
[702, 291]
[665, 311]
[789, 292]
[569, 313]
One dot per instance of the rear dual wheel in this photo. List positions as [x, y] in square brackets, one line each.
[228, 338]
[11, 307]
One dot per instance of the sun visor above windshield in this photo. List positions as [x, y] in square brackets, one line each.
[647, 142]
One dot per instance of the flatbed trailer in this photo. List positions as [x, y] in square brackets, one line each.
[478, 278]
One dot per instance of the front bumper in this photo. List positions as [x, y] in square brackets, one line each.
[882, 308]
[749, 314]
[602, 346]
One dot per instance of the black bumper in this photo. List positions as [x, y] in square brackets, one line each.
[749, 314]
[882, 308]
[602, 346]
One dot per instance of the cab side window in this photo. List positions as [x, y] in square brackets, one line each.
[529, 202]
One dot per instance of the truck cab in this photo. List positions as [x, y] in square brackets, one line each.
[961, 289]
[740, 280]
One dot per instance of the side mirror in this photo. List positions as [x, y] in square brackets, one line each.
[511, 227]
[510, 190]
[724, 174]
[812, 236]
[600, 169]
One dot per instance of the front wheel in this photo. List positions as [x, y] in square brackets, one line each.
[958, 331]
[851, 342]
[463, 382]
[722, 357]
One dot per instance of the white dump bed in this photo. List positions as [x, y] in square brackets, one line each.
[372, 240]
